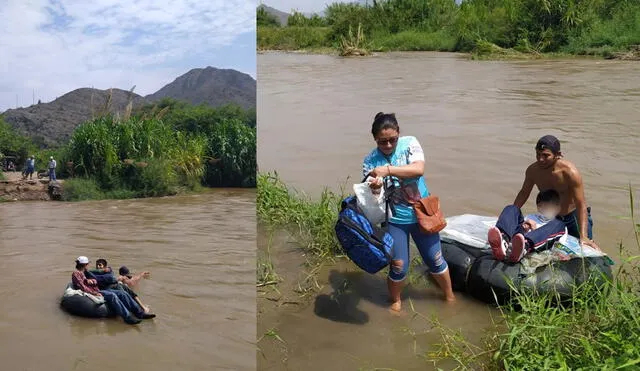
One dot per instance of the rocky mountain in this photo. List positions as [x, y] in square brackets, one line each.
[52, 123]
[212, 86]
[281, 16]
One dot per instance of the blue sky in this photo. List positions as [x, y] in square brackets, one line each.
[54, 46]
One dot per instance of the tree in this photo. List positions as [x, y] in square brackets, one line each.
[264, 18]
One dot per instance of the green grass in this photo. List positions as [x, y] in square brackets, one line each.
[266, 272]
[597, 330]
[81, 189]
[311, 222]
[293, 38]
[414, 41]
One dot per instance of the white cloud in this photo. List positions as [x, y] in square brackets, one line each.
[57, 46]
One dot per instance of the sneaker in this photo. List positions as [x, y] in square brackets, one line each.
[518, 248]
[132, 320]
[147, 315]
[498, 244]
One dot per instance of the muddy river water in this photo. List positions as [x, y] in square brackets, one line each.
[200, 250]
[478, 123]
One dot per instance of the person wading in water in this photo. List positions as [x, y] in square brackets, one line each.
[402, 159]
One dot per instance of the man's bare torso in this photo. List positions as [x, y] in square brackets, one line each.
[558, 177]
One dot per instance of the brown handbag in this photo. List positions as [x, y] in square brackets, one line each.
[430, 217]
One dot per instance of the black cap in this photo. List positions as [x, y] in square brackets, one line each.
[548, 142]
[124, 271]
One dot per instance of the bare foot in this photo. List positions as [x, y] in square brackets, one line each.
[396, 308]
[450, 299]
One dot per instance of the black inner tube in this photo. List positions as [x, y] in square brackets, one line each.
[476, 272]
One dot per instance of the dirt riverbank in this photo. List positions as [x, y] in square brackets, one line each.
[14, 188]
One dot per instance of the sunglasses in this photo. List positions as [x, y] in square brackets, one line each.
[384, 142]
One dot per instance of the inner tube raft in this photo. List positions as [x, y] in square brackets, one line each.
[78, 304]
[474, 270]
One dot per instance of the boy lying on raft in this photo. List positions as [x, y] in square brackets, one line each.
[107, 280]
[533, 233]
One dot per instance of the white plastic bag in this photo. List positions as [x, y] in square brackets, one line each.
[372, 205]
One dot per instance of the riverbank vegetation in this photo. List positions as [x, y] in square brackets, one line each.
[597, 330]
[605, 28]
[310, 222]
[156, 150]
[163, 149]
[13, 146]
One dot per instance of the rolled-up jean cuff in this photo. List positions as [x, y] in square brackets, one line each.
[444, 268]
[397, 280]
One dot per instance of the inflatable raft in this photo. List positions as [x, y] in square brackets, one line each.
[474, 270]
[78, 303]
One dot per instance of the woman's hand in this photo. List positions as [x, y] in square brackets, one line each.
[375, 183]
[381, 171]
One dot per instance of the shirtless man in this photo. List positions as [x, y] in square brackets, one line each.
[550, 171]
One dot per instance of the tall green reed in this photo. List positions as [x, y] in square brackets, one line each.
[311, 222]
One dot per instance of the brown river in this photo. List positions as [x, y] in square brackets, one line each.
[478, 123]
[200, 250]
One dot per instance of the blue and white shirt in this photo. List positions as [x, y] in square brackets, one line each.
[408, 150]
[538, 218]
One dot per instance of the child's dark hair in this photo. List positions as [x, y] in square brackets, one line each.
[79, 265]
[101, 261]
[550, 196]
[384, 121]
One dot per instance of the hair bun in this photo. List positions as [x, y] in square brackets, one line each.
[378, 115]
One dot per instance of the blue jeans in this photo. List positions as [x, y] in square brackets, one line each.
[122, 303]
[571, 222]
[428, 247]
[52, 174]
[510, 224]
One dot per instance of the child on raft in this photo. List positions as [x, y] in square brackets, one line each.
[533, 233]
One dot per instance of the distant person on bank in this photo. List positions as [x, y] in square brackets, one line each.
[52, 168]
[30, 168]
